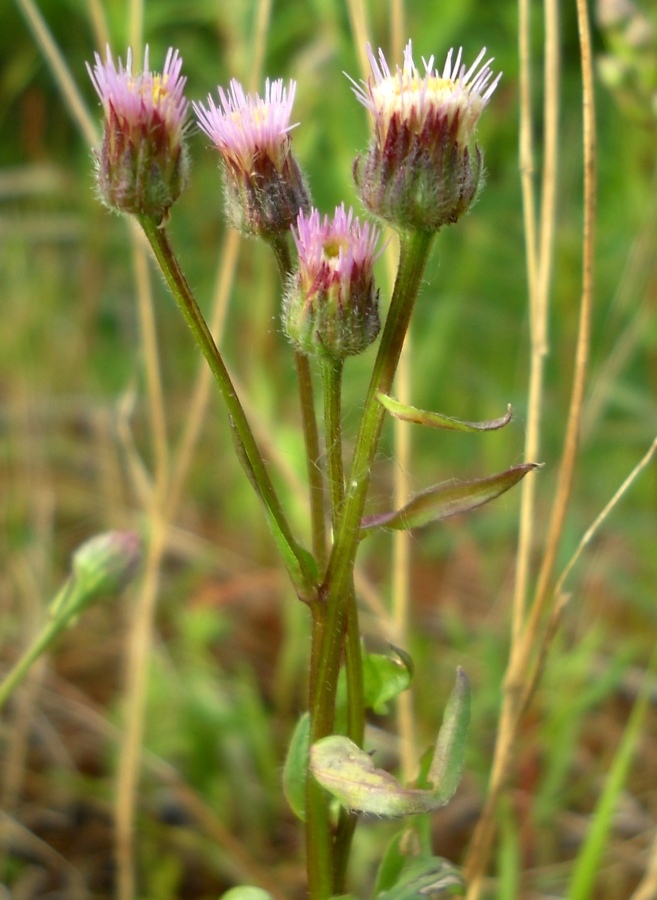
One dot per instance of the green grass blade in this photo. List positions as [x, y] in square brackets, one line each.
[588, 862]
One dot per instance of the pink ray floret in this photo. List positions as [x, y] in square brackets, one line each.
[411, 96]
[144, 99]
[334, 247]
[245, 126]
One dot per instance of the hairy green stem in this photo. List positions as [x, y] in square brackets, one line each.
[414, 251]
[298, 567]
[315, 475]
[332, 375]
[332, 372]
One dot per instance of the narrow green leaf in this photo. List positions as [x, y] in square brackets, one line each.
[384, 679]
[393, 862]
[447, 764]
[296, 768]
[438, 420]
[448, 499]
[426, 877]
[589, 860]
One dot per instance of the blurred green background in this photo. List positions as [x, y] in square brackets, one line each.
[229, 660]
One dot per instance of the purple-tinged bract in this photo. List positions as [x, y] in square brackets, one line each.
[331, 307]
[419, 172]
[264, 186]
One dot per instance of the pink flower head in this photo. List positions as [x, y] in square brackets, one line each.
[419, 172]
[453, 100]
[142, 163]
[264, 185]
[332, 303]
[246, 127]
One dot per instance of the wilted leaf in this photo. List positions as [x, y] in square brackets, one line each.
[448, 499]
[349, 774]
[438, 420]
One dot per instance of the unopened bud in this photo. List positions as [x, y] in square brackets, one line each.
[142, 161]
[419, 172]
[264, 186]
[331, 306]
[106, 563]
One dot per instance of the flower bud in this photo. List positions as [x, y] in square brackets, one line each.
[106, 563]
[419, 172]
[264, 186]
[142, 162]
[331, 305]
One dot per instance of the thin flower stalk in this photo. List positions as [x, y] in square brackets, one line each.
[281, 250]
[297, 566]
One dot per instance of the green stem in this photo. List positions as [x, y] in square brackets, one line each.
[356, 731]
[251, 458]
[281, 250]
[27, 660]
[332, 375]
[315, 477]
[66, 605]
[332, 381]
[414, 252]
[319, 839]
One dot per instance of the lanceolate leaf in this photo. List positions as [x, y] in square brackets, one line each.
[448, 499]
[437, 420]
[447, 764]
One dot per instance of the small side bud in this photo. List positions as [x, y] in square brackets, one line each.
[106, 563]
[419, 172]
[263, 183]
[331, 306]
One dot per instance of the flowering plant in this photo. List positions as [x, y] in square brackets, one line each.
[419, 174]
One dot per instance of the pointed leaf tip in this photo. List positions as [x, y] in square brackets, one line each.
[447, 765]
[438, 420]
[448, 499]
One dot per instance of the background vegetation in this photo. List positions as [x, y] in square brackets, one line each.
[80, 454]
